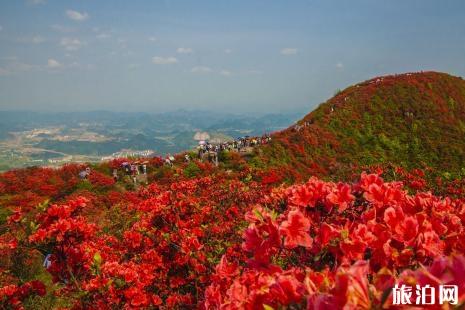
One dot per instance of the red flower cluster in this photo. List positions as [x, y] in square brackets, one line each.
[184, 242]
[13, 295]
[340, 246]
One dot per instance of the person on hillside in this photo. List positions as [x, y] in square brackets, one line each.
[199, 152]
[168, 160]
[115, 175]
[84, 174]
[47, 261]
[133, 169]
[126, 167]
[144, 168]
[187, 158]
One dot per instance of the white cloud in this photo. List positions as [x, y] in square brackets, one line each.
[77, 65]
[15, 66]
[152, 39]
[340, 65]
[227, 51]
[36, 2]
[61, 28]
[122, 42]
[289, 51]
[53, 64]
[38, 39]
[70, 44]
[133, 66]
[184, 50]
[32, 40]
[225, 73]
[201, 69]
[254, 72]
[77, 16]
[4, 71]
[9, 58]
[164, 60]
[103, 35]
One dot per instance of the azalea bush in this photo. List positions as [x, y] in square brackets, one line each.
[325, 245]
[229, 239]
[112, 248]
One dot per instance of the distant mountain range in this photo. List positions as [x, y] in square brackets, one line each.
[39, 138]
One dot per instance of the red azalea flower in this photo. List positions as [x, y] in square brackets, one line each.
[296, 230]
[341, 197]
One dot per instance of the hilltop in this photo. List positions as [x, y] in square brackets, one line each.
[412, 120]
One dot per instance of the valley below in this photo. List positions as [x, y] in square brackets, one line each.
[43, 139]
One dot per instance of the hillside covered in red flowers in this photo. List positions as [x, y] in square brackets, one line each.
[412, 120]
[358, 219]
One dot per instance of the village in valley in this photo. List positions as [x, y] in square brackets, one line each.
[108, 136]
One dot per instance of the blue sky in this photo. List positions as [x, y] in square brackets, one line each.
[236, 56]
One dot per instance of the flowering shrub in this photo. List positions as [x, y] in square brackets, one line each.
[224, 239]
[100, 180]
[109, 249]
[332, 246]
[12, 295]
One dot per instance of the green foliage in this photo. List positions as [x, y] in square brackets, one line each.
[84, 185]
[192, 170]
[4, 213]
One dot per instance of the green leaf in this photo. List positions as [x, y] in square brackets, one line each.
[258, 214]
[97, 259]
[43, 206]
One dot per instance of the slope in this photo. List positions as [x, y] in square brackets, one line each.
[413, 120]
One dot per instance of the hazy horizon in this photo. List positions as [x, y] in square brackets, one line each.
[241, 57]
[298, 112]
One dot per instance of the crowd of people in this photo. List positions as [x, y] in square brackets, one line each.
[206, 151]
[299, 127]
[210, 151]
[132, 169]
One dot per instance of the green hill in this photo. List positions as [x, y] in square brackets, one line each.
[412, 120]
